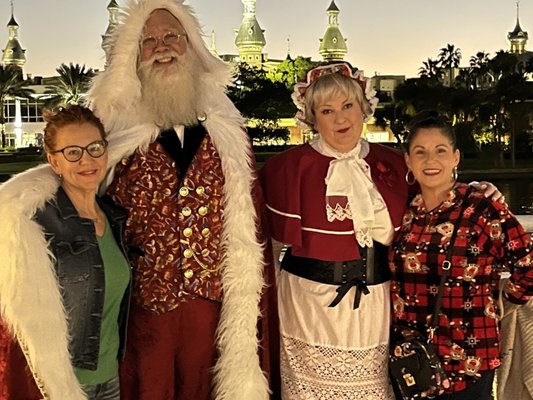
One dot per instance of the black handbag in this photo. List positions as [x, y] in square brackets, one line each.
[414, 365]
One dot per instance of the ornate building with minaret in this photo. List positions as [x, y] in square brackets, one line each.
[333, 45]
[250, 38]
[114, 10]
[518, 40]
[13, 54]
[518, 37]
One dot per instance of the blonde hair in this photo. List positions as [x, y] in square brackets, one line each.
[330, 86]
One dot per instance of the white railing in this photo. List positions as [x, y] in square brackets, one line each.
[527, 222]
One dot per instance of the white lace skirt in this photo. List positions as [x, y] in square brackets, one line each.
[333, 353]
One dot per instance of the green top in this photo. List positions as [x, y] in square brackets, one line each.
[117, 277]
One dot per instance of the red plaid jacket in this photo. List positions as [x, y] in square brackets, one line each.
[489, 240]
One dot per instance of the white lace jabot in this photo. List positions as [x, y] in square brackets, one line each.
[349, 176]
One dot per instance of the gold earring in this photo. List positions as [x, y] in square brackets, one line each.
[455, 175]
[412, 182]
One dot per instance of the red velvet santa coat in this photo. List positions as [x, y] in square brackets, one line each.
[116, 98]
[178, 225]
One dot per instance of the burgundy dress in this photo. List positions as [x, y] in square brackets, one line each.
[329, 353]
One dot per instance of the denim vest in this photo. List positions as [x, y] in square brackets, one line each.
[80, 273]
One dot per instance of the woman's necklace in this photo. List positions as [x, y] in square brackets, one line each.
[96, 219]
[86, 207]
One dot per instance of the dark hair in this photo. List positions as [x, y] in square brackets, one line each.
[70, 115]
[430, 119]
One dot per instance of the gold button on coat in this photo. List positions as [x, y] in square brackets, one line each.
[205, 252]
[184, 191]
[206, 232]
[187, 253]
[202, 210]
[188, 274]
[187, 232]
[200, 190]
[186, 211]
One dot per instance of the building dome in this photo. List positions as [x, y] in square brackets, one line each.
[13, 53]
[517, 37]
[332, 44]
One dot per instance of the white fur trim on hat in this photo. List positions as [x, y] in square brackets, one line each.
[116, 92]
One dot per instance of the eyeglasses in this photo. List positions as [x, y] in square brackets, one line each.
[75, 153]
[168, 39]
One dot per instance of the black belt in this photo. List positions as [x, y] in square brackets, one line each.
[370, 269]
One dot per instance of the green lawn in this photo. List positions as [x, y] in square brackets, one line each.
[17, 166]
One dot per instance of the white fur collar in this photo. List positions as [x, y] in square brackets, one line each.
[242, 277]
[30, 301]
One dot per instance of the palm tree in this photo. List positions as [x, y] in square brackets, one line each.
[429, 69]
[466, 79]
[479, 68]
[73, 82]
[502, 65]
[480, 60]
[449, 58]
[11, 86]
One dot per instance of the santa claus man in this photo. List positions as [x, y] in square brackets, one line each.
[202, 319]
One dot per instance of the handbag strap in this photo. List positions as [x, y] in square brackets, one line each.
[446, 265]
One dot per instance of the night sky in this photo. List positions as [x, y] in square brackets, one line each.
[385, 36]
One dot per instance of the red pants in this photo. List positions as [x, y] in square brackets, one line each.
[170, 356]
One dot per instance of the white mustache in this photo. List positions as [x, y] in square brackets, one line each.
[162, 55]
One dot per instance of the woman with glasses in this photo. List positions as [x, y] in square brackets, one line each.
[64, 276]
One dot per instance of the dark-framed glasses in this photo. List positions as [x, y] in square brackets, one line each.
[168, 39]
[95, 149]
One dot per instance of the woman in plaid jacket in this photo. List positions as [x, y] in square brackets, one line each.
[489, 239]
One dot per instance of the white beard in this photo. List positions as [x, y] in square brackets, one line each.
[170, 96]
